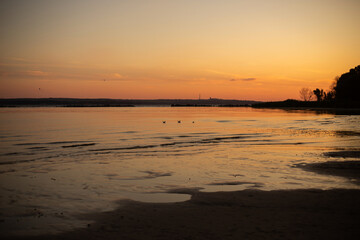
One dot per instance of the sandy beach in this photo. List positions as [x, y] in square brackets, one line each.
[247, 214]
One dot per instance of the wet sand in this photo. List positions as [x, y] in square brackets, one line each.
[349, 169]
[248, 214]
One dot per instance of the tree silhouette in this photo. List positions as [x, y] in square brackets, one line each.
[329, 96]
[306, 94]
[319, 94]
[348, 86]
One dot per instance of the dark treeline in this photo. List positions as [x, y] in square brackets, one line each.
[347, 87]
[344, 92]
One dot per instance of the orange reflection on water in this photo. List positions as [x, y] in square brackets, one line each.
[67, 155]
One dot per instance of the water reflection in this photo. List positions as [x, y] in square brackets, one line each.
[70, 161]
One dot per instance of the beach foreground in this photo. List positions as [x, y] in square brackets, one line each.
[248, 214]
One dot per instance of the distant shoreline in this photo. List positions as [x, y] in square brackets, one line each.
[287, 105]
[295, 104]
[79, 102]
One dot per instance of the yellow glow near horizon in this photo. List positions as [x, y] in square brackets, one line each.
[259, 49]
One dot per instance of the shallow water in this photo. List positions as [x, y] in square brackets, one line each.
[57, 163]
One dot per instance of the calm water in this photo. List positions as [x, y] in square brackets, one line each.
[57, 163]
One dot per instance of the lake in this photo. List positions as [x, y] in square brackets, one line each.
[59, 163]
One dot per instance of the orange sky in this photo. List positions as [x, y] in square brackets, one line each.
[233, 49]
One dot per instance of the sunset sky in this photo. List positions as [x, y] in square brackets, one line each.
[138, 49]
